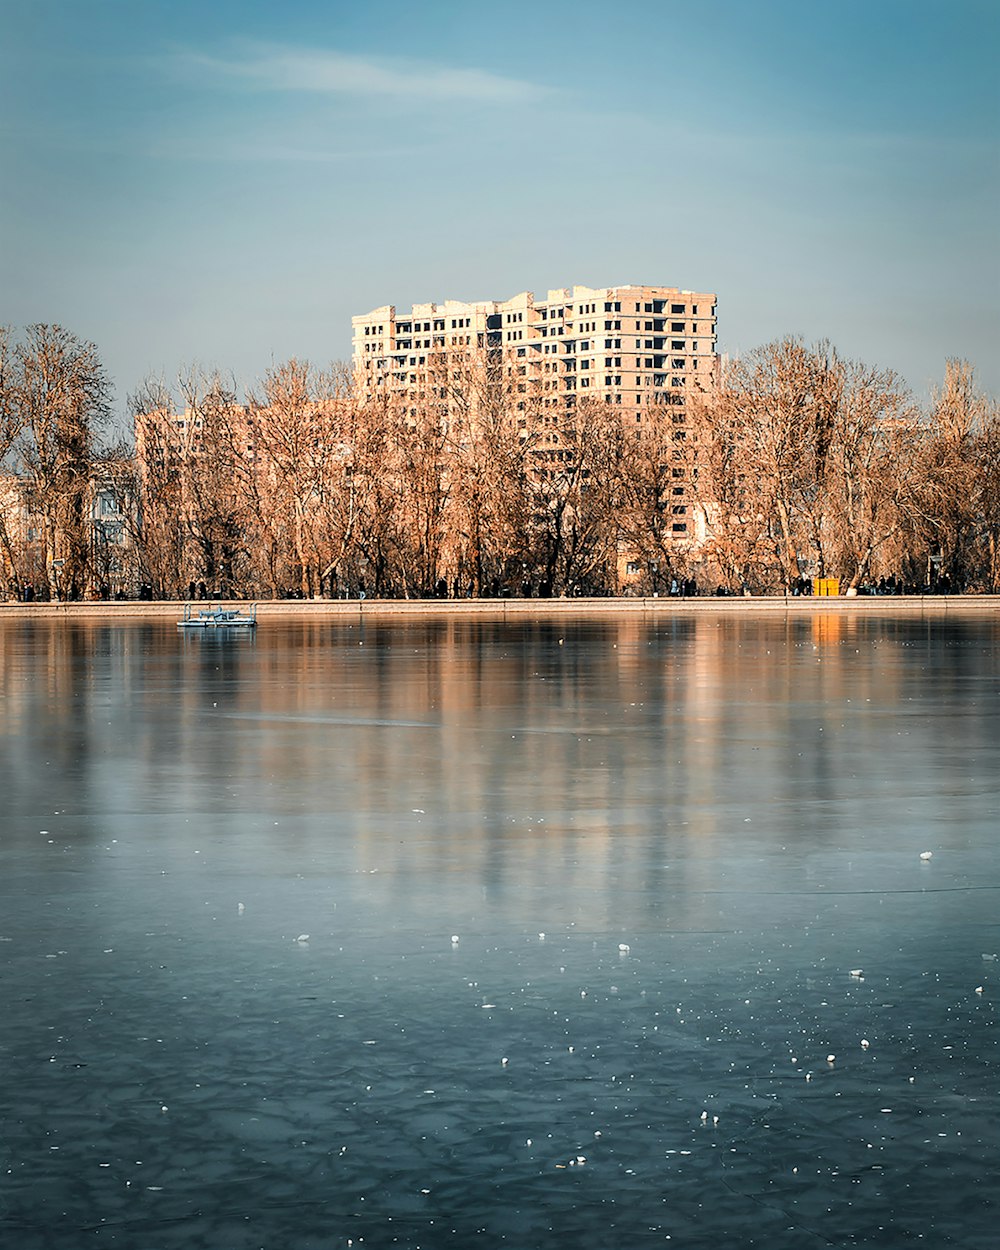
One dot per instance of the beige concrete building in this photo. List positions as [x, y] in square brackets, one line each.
[644, 349]
[34, 555]
[634, 346]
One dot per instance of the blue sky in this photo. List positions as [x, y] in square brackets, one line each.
[227, 182]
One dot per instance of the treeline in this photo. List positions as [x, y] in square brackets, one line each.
[799, 463]
[810, 461]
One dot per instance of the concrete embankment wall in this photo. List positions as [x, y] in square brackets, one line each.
[511, 609]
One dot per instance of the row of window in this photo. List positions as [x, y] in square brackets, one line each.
[553, 331]
[568, 360]
[656, 307]
[660, 306]
[415, 327]
[406, 344]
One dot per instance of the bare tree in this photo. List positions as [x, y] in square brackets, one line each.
[372, 523]
[11, 419]
[11, 411]
[868, 481]
[196, 466]
[988, 457]
[659, 514]
[956, 489]
[56, 396]
[157, 487]
[298, 450]
[420, 469]
[739, 546]
[361, 500]
[216, 457]
[577, 473]
[802, 464]
[492, 406]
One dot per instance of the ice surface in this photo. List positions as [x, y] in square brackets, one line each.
[716, 826]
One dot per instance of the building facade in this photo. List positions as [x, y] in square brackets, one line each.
[35, 553]
[646, 350]
[641, 347]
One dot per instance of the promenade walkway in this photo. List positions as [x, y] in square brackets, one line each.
[510, 609]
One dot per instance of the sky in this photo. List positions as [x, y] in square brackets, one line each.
[224, 183]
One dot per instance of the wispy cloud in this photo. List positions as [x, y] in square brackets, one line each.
[245, 152]
[278, 67]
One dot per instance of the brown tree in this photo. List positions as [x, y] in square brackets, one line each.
[197, 478]
[988, 457]
[956, 490]
[216, 485]
[55, 398]
[493, 406]
[868, 483]
[10, 486]
[577, 467]
[803, 465]
[297, 424]
[660, 517]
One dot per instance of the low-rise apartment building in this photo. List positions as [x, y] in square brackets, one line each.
[37, 555]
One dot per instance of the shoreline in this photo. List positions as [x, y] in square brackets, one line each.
[508, 609]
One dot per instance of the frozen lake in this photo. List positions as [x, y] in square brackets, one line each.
[450, 933]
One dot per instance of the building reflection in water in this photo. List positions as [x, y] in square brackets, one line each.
[513, 754]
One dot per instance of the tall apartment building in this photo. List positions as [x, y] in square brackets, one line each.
[634, 346]
[644, 349]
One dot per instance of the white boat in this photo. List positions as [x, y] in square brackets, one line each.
[218, 618]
